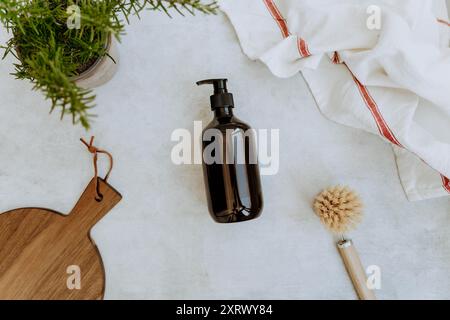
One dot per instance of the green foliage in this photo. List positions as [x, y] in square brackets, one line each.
[50, 54]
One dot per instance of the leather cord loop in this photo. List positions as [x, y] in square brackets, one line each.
[95, 151]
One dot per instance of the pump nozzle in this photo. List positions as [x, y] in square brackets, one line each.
[221, 98]
[220, 85]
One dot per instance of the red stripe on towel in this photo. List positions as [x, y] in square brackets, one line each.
[303, 47]
[373, 107]
[446, 182]
[282, 23]
[444, 22]
[336, 58]
[276, 14]
[383, 127]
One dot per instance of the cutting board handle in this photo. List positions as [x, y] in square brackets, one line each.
[88, 210]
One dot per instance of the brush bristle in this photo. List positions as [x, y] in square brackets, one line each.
[339, 209]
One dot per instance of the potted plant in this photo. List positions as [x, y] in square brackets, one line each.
[67, 47]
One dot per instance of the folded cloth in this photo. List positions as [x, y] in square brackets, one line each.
[382, 66]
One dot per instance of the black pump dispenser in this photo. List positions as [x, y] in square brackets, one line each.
[233, 189]
[221, 98]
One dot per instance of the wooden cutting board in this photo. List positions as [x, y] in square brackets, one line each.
[41, 251]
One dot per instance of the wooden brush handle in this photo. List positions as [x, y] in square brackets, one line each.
[355, 269]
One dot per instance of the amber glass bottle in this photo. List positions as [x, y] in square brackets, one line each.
[230, 165]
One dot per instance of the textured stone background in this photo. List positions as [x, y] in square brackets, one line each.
[160, 242]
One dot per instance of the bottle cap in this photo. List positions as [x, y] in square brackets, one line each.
[221, 97]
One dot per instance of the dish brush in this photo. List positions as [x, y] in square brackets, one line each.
[340, 210]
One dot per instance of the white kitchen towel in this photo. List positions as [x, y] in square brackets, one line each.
[378, 65]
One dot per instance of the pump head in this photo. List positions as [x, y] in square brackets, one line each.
[221, 98]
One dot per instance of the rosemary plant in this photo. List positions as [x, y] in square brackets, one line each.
[50, 53]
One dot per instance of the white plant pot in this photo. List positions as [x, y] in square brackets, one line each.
[448, 7]
[102, 70]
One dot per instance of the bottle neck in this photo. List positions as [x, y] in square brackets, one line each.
[223, 112]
